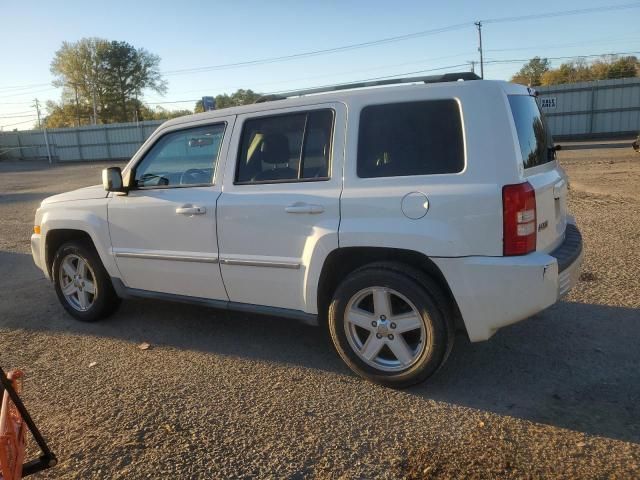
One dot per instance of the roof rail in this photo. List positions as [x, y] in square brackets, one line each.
[445, 77]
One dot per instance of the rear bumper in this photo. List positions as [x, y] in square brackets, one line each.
[493, 292]
[569, 258]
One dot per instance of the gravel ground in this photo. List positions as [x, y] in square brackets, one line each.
[235, 396]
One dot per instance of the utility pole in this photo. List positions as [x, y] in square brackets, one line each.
[479, 25]
[46, 138]
[473, 65]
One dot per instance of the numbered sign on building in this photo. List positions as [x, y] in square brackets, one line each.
[548, 102]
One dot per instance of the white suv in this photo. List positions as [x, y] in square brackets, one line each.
[394, 216]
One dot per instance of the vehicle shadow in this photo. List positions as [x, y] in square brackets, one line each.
[574, 366]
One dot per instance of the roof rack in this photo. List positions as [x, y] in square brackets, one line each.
[445, 77]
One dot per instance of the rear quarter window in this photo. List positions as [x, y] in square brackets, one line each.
[410, 138]
[533, 135]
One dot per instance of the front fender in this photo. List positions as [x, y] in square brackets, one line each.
[88, 216]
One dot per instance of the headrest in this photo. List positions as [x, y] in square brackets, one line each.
[275, 148]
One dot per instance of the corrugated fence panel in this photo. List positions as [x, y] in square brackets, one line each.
[91, 142]
[603, 108]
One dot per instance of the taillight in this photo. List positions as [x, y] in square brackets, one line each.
[519, 218]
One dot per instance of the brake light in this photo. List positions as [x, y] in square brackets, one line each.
[519, 219]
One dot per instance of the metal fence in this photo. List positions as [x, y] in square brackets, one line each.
[118, 141]
[604, 108]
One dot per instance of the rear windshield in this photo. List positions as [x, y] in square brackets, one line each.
[535, 141]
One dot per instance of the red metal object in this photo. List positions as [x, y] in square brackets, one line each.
[14, 423]
[12, 432]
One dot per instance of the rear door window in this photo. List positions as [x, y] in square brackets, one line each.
[411, 138]
[535, 140]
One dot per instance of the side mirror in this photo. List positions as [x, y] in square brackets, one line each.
[557, 147]
[112, 179]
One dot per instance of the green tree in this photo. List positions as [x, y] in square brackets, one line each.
[128, 72]
[606, 67]
[624, 68]
[61, 115]
[109, 76]
[531, 73]
[569, 72]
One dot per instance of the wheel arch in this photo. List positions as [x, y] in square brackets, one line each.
[342, 261]
[57, 237]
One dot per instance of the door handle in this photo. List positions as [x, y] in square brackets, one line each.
[301, 207]
[190, 210]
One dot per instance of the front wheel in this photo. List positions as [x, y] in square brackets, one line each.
[388, 324]
[82, 284]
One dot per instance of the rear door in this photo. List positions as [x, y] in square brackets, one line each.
[280, 202]
[541, 170]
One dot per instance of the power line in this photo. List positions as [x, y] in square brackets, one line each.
[518, 60]
[319, 52]
[19, 113]
[563, 13]
[18, 116]
[19, 123]
[399, 38]
[448, 67]
[302, 79]
[8, 87]
[15, 103]
[353, 46]
[563, 45]
[27, 93]
[492, 62]
[24, 87]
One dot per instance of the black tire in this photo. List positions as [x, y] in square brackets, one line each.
[432, 304]
[105, 301]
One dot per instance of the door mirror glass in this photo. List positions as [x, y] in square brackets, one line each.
[112, 179]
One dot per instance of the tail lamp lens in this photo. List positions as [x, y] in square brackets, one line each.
[519, 219]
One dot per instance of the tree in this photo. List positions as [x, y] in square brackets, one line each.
[624, 67]
[531, 73]
[109, 76]
[66, 115]
[79, 69]
[128, 73]
[578, 70]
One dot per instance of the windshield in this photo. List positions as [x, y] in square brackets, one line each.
[536, 143]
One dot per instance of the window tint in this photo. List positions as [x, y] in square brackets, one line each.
[285, 147]
[185, 157]
[417, 138]
[535, 141]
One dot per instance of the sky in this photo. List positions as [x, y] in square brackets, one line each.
[192, 34]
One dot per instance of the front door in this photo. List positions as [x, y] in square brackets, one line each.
[163, 233]
[280, 204]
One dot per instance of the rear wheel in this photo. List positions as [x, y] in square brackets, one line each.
[82, 284]
[388, 323]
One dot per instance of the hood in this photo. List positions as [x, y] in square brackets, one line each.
[86, 193]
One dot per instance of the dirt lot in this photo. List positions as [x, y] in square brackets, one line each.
[221, 396]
